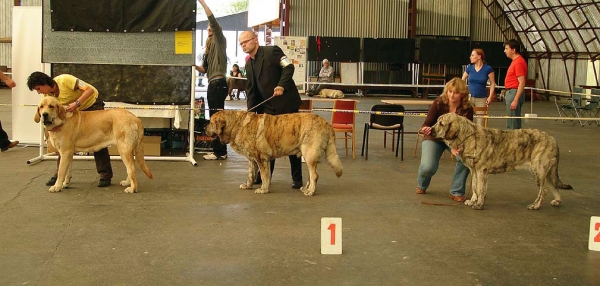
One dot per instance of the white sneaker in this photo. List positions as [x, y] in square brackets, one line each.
[212, 156]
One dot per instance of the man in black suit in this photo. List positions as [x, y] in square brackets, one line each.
[269, 74]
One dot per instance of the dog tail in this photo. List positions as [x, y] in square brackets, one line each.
[557, 182]
[139, 157]
[332, 157]
[563, 186]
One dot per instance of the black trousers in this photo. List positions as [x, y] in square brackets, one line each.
[101, 157]
[295, 164]
[216, 94]
[4, 142]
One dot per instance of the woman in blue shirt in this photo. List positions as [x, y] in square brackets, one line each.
[477, 75]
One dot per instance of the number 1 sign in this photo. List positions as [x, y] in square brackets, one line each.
[594, 234]
[331, 235]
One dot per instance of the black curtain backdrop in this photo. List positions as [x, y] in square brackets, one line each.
[134, 84]
[387, 50]
[335, 49]
[494, 53]
[131, 16]
[447, 52]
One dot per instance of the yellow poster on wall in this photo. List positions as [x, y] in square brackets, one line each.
[183, 42]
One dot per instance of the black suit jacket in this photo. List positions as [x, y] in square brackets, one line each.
[271, 74]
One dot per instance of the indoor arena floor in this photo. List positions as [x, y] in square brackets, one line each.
[192, 225]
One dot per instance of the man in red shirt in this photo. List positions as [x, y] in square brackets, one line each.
[514, 83]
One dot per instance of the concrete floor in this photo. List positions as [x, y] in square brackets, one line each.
[193, 226]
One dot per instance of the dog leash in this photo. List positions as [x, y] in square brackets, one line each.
[261, 103]
[467, 195]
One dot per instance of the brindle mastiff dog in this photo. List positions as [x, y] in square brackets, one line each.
[90, 131]
[492, 151]
[262, 137]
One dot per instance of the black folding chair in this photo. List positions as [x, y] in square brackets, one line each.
[387, 120]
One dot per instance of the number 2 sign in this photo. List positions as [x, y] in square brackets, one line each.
[594, 234]
[331, 235]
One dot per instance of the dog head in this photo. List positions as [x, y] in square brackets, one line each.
[448, 126]
[50, 112]
[218, 125]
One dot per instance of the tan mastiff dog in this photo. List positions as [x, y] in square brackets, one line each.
[262, 137]
[91, 131]
[492, 151]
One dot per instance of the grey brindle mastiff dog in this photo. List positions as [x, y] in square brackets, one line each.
[492, 151]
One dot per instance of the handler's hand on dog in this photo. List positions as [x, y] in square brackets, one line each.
[426, 130]
[71, 107]
[455, 152]
[278, 91]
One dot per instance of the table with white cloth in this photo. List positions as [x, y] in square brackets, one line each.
[158, 116]
[148, 113]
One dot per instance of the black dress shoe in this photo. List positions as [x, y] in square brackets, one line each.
[297, 185]
[51, 182]
[11, 145]
[103, 183]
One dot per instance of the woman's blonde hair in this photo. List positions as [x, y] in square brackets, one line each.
[208, 44]
[460, 86]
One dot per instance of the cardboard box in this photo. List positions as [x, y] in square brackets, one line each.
[151, 146]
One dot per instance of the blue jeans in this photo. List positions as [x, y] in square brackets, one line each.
[431, 152]
[509, 96]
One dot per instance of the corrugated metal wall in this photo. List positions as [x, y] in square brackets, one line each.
[5, 31]
[6, 8]
[383, 19]
[557, 79]
[349, 18]
[444, 18]
[483, 27]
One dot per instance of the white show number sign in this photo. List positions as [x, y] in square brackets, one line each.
[331, 235]
[594, 234]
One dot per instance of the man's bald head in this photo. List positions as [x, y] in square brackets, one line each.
[249, 43]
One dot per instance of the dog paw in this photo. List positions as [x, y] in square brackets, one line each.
[54, 189]
[307, 191]
[555, 203]
[130, 190]
[469, 203]
[245, 186]
[261, 191]
[125, 183]
[533, 207]
[477, 207]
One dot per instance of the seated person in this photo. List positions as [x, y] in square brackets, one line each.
[233, 83]
[236, 72]
[325, 75]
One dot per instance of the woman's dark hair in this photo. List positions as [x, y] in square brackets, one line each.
[236, 66]
[39, 78]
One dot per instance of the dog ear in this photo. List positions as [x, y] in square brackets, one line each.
[36, 116]
[451, 129]
[220, 126]
[62, 112]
